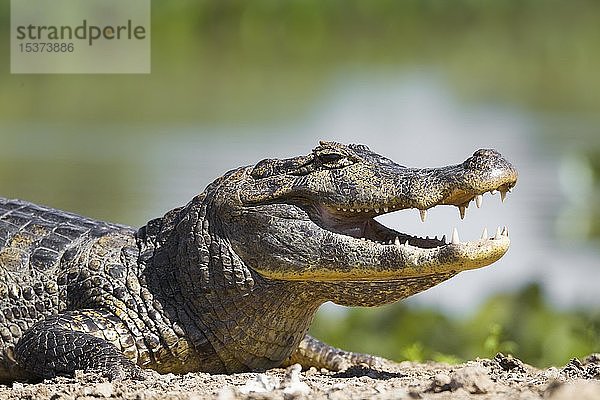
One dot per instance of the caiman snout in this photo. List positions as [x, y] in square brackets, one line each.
[487, 170]
[314, 219]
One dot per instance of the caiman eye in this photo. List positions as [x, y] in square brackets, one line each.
[330, 158]
[331, 155]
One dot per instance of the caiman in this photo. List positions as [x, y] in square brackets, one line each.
[231, 281]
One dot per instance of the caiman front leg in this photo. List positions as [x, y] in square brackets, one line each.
[314, 353]
[78, 340]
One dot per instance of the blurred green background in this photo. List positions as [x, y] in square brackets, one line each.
[424, 82]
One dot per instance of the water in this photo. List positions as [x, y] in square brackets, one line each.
[132, 173]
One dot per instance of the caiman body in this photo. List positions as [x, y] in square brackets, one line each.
[230, 282]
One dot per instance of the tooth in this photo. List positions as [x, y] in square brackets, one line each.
[443, 239]
[498, 233]
[455, 239]
[502, 195]
[339, 209]
[462, 210]
[423, 215]
[385, 209]
[478, 200]
[358, 210]
[505, 232]
[484, 234]
[493, 191]
[397, 241]
[406, 243]
[363, 239]
[377, 210]
[344, 209]
[352, 210]
[366, 210]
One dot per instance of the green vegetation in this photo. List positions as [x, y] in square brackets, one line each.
[238, 60]
[522, 324]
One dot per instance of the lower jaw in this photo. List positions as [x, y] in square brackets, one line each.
[362, 293]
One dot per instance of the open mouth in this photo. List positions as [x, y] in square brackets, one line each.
[358, 222]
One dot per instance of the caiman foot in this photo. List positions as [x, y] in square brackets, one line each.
[62, 344]
[314, 353]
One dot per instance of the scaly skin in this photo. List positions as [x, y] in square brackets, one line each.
[231, 281]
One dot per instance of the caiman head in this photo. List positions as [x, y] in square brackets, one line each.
[312, 218]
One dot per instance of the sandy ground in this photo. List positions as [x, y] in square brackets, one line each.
[499, 378]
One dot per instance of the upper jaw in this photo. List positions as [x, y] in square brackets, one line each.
[461, 197]
[400, 188]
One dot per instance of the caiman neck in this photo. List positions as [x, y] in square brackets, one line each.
[234, 318]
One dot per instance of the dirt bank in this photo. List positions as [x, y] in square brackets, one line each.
[499, 378]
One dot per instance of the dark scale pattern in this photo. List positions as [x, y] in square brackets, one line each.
[85, 339]
[35, 242]
[232, 318]
[231, 281]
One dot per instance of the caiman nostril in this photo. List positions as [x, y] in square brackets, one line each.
[486, 153]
